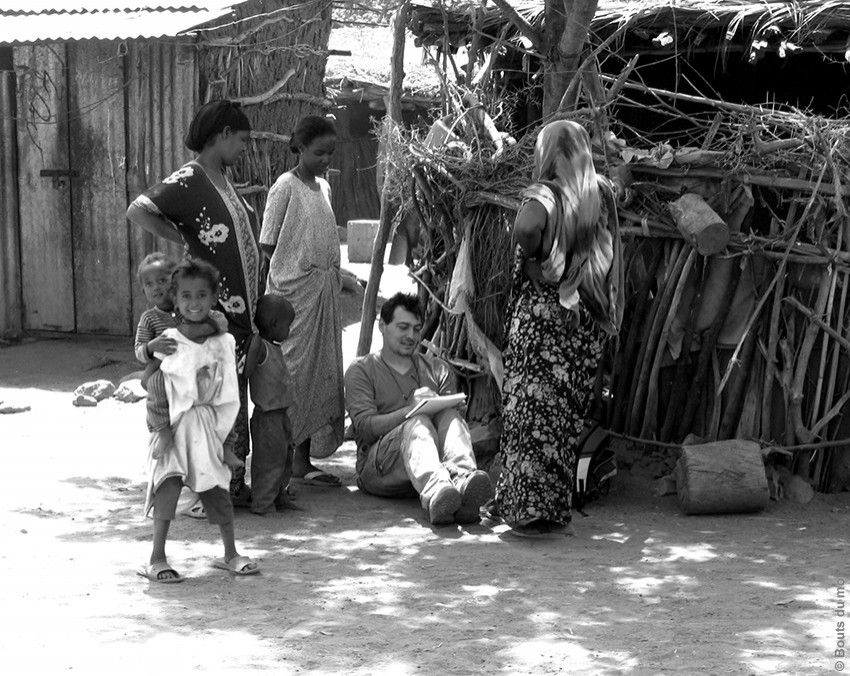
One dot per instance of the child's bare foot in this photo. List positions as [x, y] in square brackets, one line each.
[287, 504]
[162, 443]
[285, 500]
[231, 460]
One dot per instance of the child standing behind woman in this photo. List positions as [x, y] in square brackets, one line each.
[200, 383]
[300, 238]
[271, 392]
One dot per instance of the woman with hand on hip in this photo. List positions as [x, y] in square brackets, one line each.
[566, 295]
[300, 238]
[198, 207]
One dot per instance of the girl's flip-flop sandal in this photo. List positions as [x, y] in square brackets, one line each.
[152, 572]
[238, 565]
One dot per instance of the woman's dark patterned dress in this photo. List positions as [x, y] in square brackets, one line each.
[219, 227]
[550, 366]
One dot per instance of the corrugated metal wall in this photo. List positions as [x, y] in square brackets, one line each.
[96, 153]
[45, 187]
[161, 98]
[10, 267]
[117, 114]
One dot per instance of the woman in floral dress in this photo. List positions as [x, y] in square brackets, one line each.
[565, 298]
[198, 207]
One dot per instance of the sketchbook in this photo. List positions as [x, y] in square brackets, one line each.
[437, 404]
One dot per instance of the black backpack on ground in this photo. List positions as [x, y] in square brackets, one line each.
[596, 465]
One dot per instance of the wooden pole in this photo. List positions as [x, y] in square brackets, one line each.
[566, 25]
[11, 303]
[393, 117]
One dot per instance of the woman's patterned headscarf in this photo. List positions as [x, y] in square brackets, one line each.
[585, 259]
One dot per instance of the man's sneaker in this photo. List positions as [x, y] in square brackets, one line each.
[475, 489]
[443, 505]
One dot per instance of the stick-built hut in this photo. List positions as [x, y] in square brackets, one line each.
[95, 98]
[357, 81]
[729, 117]
[359, 105]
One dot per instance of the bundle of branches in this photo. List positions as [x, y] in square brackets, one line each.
[462, 179]
[738, 336]
[750, 341]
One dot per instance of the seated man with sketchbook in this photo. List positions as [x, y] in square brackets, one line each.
[411, 437]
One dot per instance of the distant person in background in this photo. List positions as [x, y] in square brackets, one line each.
[299, 236]
[397, 456]
[198, 207]
[565, 297]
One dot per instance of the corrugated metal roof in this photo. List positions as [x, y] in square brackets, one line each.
[48, 6]
[102, 20]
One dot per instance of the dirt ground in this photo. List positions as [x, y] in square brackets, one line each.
[360, 585]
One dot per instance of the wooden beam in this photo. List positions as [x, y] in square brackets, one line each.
[262, 98]
[780, 182]
[270, 136]
[317, 101]
[714, 103]
[525, 28]
[393, 118]
[810, 314]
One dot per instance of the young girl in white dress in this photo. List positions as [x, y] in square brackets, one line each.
[200, 385]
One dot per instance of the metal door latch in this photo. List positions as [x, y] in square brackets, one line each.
[60, 176]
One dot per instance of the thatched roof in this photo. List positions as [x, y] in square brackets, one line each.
[822, 24]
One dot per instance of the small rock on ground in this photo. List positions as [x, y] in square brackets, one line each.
[84, 400]
[97, 389]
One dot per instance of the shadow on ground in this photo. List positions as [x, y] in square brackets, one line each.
[360, 584]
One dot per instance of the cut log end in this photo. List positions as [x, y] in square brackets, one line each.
[699, 224]
[723, 477]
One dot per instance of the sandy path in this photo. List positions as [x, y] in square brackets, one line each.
[355, 584]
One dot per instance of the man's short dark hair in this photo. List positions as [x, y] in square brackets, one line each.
[406, 301]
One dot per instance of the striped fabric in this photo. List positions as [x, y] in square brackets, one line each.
[157, 404]
[152, 323]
